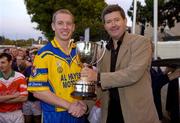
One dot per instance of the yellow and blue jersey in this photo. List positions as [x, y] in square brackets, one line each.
[55, 70]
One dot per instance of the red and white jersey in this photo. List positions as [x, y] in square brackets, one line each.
[15, 83]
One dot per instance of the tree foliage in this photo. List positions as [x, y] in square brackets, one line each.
[87, 14]
[168, 12]
[18, 43]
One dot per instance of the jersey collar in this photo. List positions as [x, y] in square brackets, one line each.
[57, 45]
[11, 75]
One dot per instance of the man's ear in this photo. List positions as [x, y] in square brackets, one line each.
[52, 26]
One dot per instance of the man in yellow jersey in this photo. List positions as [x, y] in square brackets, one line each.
[54, 71]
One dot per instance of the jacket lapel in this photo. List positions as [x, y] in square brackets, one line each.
[123, 49]
[106, 61]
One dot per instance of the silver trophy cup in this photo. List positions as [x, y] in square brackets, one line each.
[90, 53]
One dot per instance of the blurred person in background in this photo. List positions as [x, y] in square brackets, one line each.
[31, 108]
[13, 91]
[14, 53]
[6, 50]
[159, 79]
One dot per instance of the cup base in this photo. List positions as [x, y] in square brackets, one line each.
[83, 94]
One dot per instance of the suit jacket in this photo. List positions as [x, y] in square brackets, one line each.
[133, 80]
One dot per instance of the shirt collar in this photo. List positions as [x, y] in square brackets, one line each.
[110, 45]
[11, 75]
[57, 45]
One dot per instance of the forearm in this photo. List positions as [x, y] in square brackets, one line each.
[51, 98]
[6, 98]
[17, 99]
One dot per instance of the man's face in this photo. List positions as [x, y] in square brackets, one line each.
[21, 53]
[114, 24]
[63, 26]
[5, 65]
[14, 52]
[19, 60]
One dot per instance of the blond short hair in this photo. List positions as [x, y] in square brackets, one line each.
[64, 11]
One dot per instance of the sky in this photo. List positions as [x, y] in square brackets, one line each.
[15, 23]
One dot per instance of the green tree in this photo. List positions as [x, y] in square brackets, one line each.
[30, 41]
[18, 43]
[87, 14]
[9, 42]
[168, 12]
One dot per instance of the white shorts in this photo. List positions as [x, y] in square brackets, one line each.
[12, 117]
[32, 108]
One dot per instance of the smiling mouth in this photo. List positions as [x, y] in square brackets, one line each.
[115, 29]
[65, 33]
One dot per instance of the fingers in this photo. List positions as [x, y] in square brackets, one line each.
[77, 109]
[89, 73]
[174, 75]
[84, 72]
[83, 104]
[168, 70]
[16, 94]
